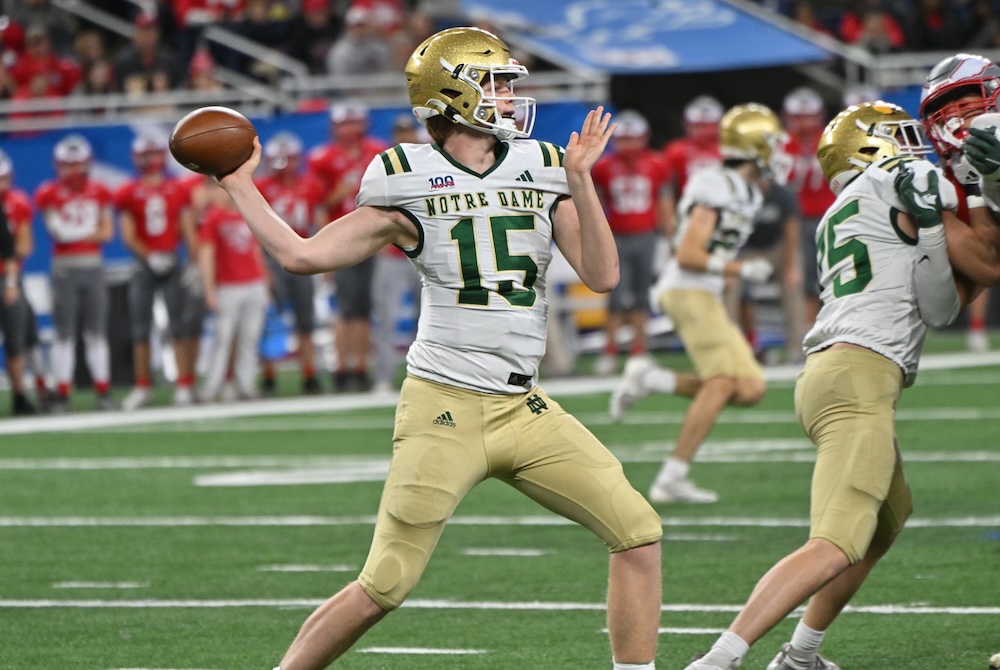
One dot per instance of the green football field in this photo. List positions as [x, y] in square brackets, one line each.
[202, 538]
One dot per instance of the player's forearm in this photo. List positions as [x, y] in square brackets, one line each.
[970, 254]
[274, 234]
[598, 252]
[937, 297]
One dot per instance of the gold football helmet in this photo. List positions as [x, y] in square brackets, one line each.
[452, 74]
[864, 134]
[753, 132]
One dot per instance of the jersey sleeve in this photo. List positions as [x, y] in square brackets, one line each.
[709, 188]
[552, 173]
[374, 190]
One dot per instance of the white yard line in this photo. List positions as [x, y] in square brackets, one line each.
[100, 585]
[188, 417]
[432, 604]
[421, 651]
[545, 521]
[307, 568]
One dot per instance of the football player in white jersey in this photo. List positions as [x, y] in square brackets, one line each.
[476, 212]
[884, 278]
[716, 213]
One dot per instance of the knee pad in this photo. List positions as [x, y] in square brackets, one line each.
[391, 575]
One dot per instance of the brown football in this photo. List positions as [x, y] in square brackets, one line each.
[212, 140]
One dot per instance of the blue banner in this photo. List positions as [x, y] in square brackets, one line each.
[645, 36]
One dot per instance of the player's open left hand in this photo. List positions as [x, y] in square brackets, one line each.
[585, 147]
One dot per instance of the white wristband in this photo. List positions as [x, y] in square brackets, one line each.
[716, 264]
[975, 201]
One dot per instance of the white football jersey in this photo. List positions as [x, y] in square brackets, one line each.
[737, 203]
[866, 268]
[485, 245]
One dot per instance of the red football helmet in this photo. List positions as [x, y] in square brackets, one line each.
[957, 90]
[283, 151]
[72, 156]
[149, 153]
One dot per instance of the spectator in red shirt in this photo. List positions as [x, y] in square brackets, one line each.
[235, 283]
[61, 75]
[297, 199]
[155, 220]
[805, 117]
[867, 24]
[632, 180]
[77, 214]
[340, 166]
[698, 149]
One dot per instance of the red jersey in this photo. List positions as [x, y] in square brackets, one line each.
[190, 13]
[295, 202]
[17, 206]
[156, 210]
[331, 165]
[61, 75]
[238, 258]
[684, 157]
[71, 209]
[807, 180]
[631, 190]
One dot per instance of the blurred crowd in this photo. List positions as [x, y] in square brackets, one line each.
[889, 26]
[48, 53]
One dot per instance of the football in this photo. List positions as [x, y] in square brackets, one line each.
[988, 120]
[212, 140]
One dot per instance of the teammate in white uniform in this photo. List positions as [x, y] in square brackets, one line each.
[884, 277]
[717, 214]
[477, 213]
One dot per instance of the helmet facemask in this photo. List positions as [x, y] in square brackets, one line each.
[958, 89]
[865, 134]
[442, 84]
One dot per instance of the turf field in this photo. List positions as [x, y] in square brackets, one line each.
[200, 539]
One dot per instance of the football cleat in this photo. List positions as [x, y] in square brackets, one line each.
[138, 398]
[783, 662]
[681, 491]
[632, 387]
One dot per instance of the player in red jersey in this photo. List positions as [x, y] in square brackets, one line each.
[155, 220]
[697, 150]
[804, 114]
[959, 89]
[235, 284]
[632, 180]
[297, 198]
[17, 320]
[339, 166]
[77, 211]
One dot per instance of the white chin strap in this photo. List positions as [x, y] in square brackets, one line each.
[507, 129]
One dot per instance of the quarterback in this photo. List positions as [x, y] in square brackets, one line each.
[476, 212]
[884, 278]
